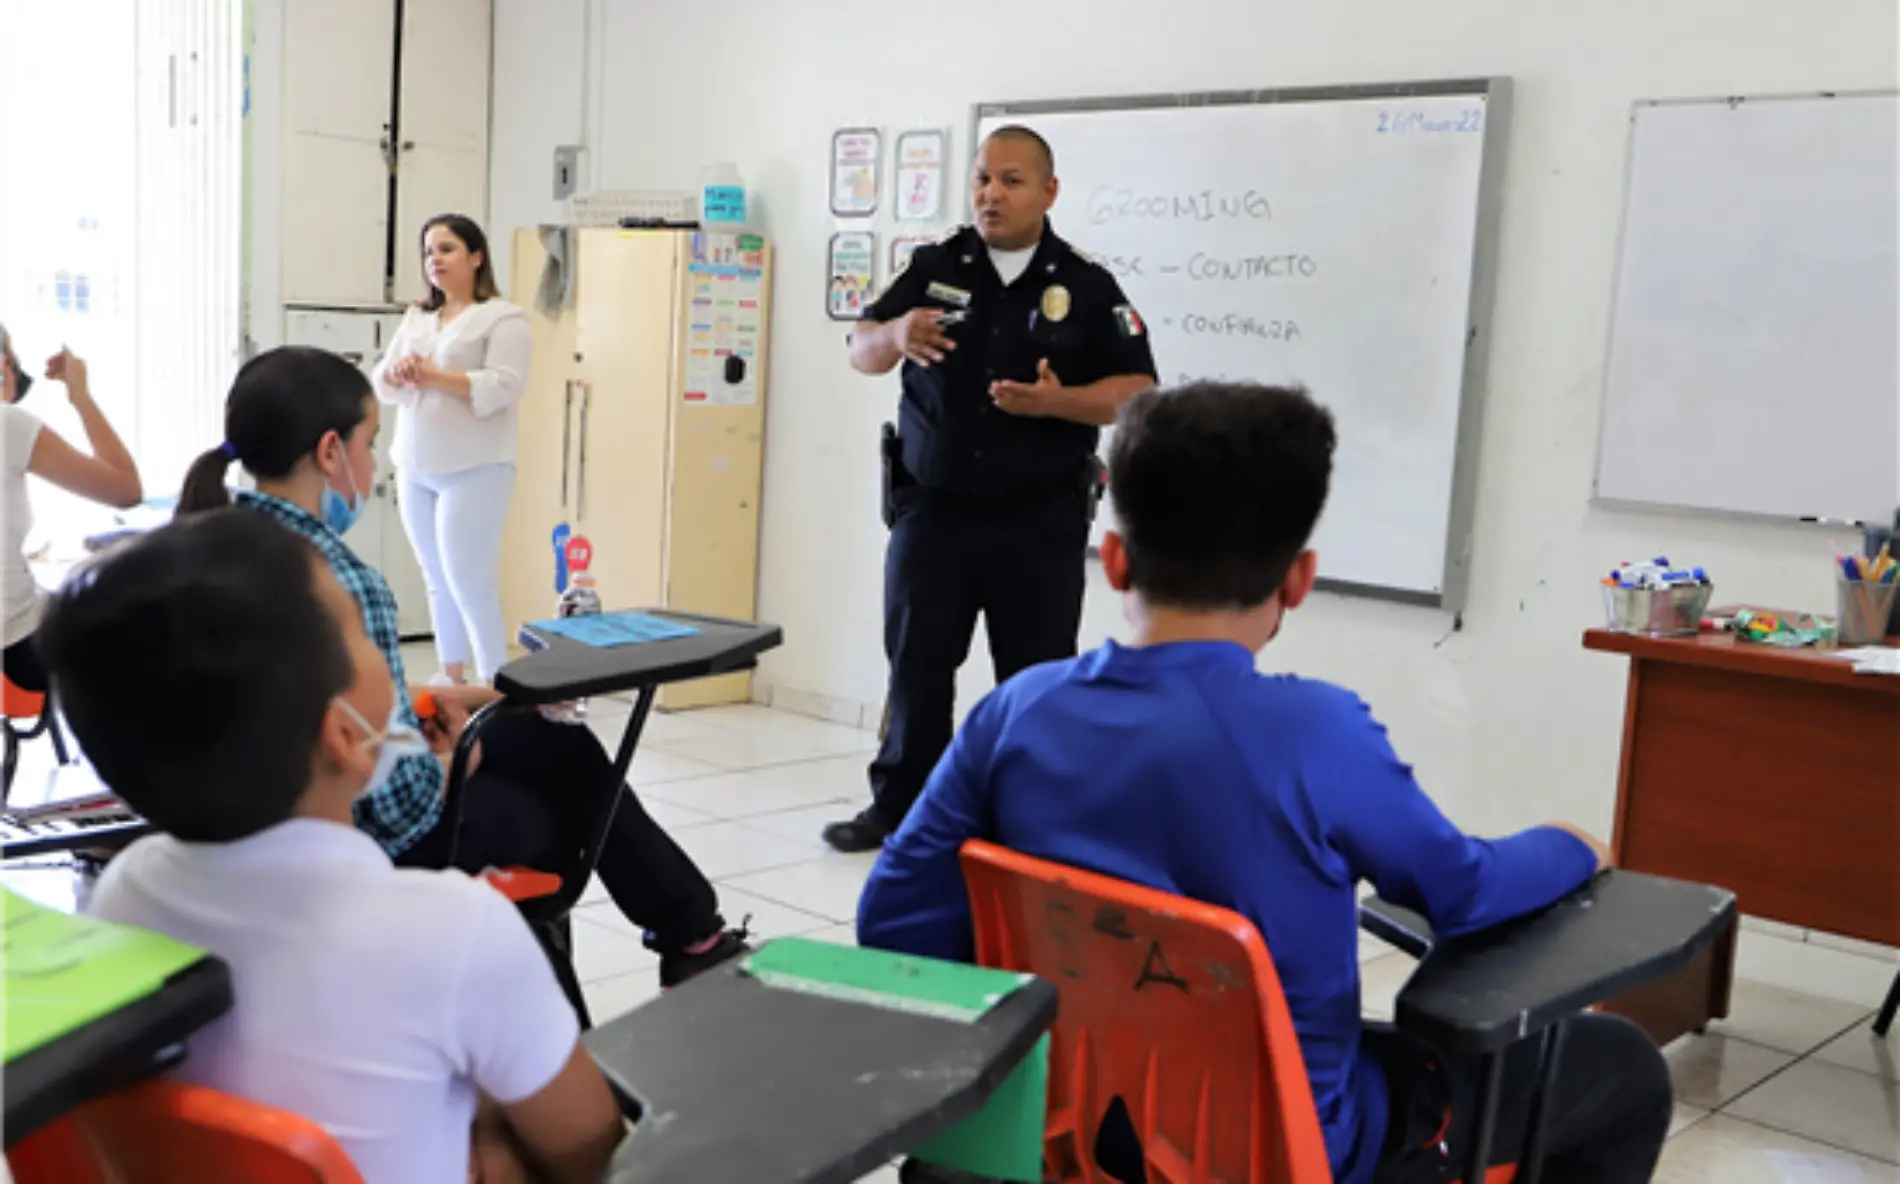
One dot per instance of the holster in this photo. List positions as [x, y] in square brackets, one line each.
[1094, 484]
[891, 474]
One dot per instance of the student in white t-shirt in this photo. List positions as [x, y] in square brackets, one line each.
[221, 681]
[28, 446]
[455, 372]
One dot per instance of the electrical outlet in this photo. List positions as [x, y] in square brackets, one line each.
[567, 164]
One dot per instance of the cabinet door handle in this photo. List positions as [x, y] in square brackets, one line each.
[567, 436]
[580, 496]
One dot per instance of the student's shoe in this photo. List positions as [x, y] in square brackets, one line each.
[866, 832]
[676, 968]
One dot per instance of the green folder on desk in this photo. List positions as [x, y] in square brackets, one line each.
[62, 972]
[1003, 1140]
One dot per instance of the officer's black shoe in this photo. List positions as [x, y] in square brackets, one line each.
[866, 832]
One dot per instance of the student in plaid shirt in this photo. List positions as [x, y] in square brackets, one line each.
[303, 422]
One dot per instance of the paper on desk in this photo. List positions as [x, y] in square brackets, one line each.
[608, 630]
[1874, 659]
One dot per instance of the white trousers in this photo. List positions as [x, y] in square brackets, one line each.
[455, 523]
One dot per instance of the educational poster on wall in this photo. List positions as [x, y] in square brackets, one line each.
[854, 156]
[919, 179]
[903, 246]
[728, 310]
[849, 264]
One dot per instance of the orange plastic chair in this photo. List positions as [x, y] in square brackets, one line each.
[1167, 1003]
[16, 706]
[166, 1132]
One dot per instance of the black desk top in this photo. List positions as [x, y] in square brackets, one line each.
[114, 1051]
[736, 1080]
[566, 670]
[1486, 991]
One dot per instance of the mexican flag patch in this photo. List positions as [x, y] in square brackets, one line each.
[1129, 321]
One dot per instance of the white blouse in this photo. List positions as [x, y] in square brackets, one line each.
[436, 432]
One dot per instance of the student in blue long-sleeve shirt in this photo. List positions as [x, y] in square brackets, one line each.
[1172, 763]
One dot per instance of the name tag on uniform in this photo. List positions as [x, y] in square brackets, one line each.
[948, 294]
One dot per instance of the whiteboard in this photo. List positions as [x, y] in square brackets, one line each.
[1339, 238]
[1753, 365]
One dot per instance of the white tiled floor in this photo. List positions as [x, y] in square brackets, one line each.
[1792, 1090]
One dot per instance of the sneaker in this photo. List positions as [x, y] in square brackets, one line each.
[866, 832]
[678, 967]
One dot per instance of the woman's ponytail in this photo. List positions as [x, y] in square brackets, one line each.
[281, 406]
[204, 487]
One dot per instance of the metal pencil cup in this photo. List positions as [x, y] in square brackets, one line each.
[1865, 608]
[1675, 611]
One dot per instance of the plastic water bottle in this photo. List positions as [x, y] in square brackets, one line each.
[581, 599]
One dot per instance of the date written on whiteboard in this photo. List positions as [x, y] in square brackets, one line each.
[1400, 123]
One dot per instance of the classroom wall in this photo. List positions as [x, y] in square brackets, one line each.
[1508, 720]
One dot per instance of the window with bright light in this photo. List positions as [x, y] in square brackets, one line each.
[66, 209]
[120, 222]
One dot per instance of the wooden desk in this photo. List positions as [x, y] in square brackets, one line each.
[1773, 773]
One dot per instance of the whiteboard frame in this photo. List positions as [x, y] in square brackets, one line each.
[1616, 290]
[1454, 585]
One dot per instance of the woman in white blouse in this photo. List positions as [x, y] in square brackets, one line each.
[455, 373]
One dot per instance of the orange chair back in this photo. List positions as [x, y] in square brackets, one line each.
[166, 1132]
[1169, 1004]
[18, 704]
[520, 884]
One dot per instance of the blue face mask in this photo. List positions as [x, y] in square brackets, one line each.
[340, 513]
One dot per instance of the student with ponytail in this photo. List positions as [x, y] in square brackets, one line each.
[303, 423]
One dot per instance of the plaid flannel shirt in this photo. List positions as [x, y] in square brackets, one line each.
[409, 805]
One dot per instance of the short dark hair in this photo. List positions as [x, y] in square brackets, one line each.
[470, 232]
[282, 404]
[1217, 487]
[195, 665]
[1027, 135]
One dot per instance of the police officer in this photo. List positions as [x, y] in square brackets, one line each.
[1015, 351]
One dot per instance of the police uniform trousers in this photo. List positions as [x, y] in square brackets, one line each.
[1019, 562]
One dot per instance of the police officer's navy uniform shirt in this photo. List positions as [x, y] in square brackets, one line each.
[1181, 768]
[1062, 308]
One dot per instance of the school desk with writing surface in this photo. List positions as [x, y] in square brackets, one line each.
[92, 1007]
[810, 1063]
[1480, 994]
[600, 655]
[1772, 772]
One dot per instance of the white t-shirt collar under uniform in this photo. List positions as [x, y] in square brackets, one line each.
[1010, 265]
[377, 1002]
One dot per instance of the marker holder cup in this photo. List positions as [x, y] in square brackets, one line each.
[1865, 608]
[1674, 611]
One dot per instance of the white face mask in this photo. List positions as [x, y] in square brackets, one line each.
[393, 743]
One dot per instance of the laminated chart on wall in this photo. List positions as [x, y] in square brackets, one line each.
[1340, 238]
[726, 290]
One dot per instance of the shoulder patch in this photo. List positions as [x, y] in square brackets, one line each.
[1129, 321]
